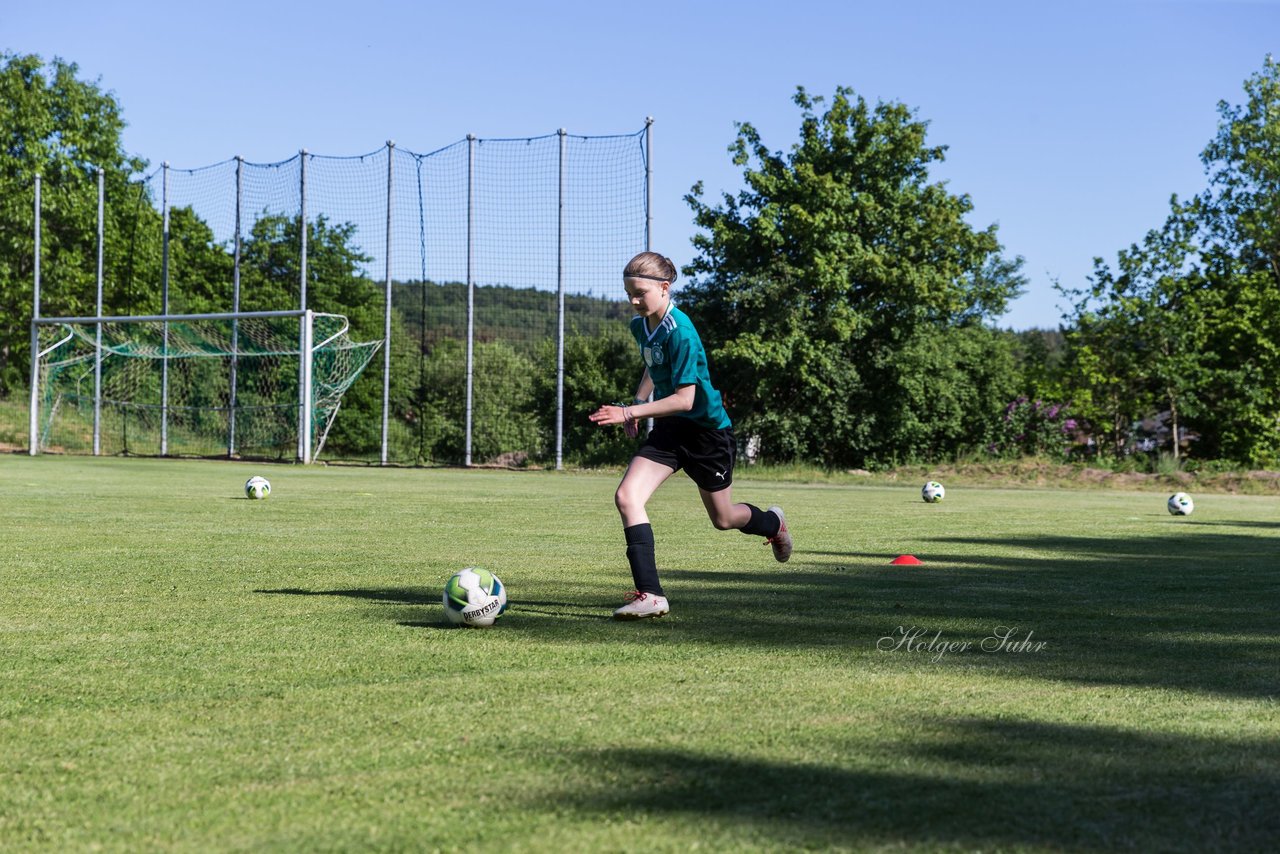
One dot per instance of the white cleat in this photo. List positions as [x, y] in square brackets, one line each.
[781, 542]
[641, 605]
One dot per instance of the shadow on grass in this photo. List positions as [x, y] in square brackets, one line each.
[976, 784]
[1253, 523]
[1186, 611]
[416, 598]
[1177, 610]
[398, 595]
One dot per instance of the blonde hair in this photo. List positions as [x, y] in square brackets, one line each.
[651, 265]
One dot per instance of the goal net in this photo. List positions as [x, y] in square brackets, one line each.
[253, 384]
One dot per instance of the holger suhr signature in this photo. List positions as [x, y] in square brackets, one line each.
[1003, 639]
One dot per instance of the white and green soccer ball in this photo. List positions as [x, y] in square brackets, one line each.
[257, 487]
[474, 597]
[933, 492]
[1180, 504]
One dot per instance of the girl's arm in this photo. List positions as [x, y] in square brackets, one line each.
[681, 401]
[645, 388]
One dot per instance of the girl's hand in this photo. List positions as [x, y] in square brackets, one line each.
[608, 414]
[616, 414]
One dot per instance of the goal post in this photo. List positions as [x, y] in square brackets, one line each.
[264, 384]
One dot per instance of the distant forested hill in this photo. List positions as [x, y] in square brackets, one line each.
[522, 317]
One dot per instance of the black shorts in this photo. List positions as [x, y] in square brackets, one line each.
[705, 453]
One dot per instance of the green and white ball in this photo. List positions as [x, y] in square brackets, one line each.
[1180, 504]
[933, 492]
[474, 597]
[257, 487]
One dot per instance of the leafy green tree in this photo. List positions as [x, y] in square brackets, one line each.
[201, 270]
[502, 392]
[1188, 322]
[1241, 208]
[1101, 373]
[1239, 218]
[1032, 428]
[1139, 335]
[597, 369]
[434, 406]
[843, 297]
[64, 129]
[1038, 355]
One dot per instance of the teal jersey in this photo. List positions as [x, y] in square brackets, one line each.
[674, 355]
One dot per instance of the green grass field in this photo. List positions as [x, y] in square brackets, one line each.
[185, 669]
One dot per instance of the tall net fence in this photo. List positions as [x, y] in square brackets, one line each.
[477, 240]
[499, 255]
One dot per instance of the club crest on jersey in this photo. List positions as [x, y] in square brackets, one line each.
[653, 355]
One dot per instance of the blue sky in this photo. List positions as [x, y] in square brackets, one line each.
[1069, 124]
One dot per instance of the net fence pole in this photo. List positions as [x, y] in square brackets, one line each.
[386, 315]
[164, 309]
[560, 309]
[471, 285]
[418, 402]
[303, 452]
[648, 206]
[97, 355]
[33, 422]
[308, 319]
[235, 307]
[648, 184]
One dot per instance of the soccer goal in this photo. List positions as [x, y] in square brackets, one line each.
[264, 384]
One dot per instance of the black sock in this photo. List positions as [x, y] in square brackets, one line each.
[644, 565]
[763, 523]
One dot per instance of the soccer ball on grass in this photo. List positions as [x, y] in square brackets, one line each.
[932, 492]
[1180, 504]
[474, 597]
[257, 487]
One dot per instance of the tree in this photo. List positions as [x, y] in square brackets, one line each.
[597, 369]
[64, 129]
[1189, 321]
[1241, 208]
[502, 393]
[842, 296]
[1139, 335]
[1239, 218]
[1038, 355]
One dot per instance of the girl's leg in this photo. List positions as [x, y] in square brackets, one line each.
[642, 479]
[727, 516]
[748, 519]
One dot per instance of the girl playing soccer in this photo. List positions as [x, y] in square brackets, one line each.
[691, 431]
